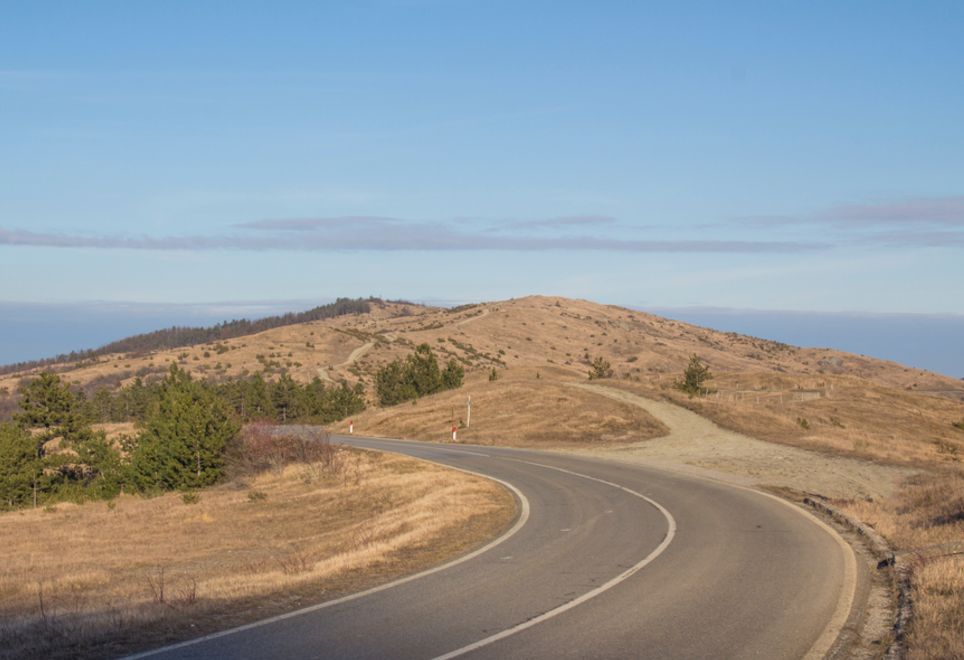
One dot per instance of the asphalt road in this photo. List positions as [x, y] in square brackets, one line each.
[607, 560]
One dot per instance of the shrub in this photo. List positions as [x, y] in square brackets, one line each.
[418, 376]
[600, 369]
[695, 374]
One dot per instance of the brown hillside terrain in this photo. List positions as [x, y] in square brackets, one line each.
[861, 431]
[529, 332]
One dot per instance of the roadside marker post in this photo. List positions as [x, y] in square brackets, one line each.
[468, 413]
[454, 429]
[351, 427]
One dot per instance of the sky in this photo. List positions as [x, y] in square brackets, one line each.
[755, 163]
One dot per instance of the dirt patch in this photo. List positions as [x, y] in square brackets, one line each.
[697, 443]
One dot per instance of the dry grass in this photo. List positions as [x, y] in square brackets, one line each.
[928, 511]
[852, 405]
[105, 578]
[935, 632]
[519, 409]
[844, 416]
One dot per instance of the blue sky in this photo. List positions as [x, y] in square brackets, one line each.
[176, 161]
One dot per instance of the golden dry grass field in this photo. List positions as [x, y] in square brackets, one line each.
[107, 578]
[886, 445]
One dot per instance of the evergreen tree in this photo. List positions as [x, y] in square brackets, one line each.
[344, 401]
[424, 370]
[393, 384]
[695, 374]
[258, 403]
[286, 399]
[20, 468]
[47, 404]
[182, 444]
[453, 374]
[418, 376]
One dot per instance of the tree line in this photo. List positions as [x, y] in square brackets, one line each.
[416, 376]
[185, 430]
[178, 337]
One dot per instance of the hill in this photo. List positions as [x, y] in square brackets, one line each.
[538, 346]
[880, 439]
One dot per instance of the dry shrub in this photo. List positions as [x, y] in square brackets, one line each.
[926, 510]
[264, 447]
[933, 501]
[259, 449]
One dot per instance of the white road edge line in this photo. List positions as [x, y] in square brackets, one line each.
[523, 518]
[847, 596]
[845, 601]
[671, 532]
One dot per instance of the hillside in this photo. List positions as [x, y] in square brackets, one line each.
[558, 335]
[539, 346]
[873, 436]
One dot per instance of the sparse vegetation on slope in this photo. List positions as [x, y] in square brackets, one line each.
[135, 573]
[852, 406]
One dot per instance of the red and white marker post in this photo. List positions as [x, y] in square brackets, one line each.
[351, 427]
[454, 429]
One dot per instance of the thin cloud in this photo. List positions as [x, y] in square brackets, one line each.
[564, 222]
[310, 224]
[387, 235]
[947, 211]
[914, 212]
[914, 238]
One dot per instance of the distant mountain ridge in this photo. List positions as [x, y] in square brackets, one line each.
[183, 336]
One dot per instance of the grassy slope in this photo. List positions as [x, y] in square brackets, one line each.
[854, 406]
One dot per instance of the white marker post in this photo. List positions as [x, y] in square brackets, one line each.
[351, 427]
[468, 413]
[453, 432]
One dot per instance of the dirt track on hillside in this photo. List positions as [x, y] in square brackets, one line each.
[355, 354]
[697, 445]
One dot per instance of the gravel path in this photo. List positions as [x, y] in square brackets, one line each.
[355, 354]
[696, 444]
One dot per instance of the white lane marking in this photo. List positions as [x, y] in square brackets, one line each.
[671, 532]
[847, 594]
[523, 518]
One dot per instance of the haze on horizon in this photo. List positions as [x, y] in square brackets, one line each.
[741, 162]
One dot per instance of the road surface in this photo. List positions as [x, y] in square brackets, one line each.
[607, 560]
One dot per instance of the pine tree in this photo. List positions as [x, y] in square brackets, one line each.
[425, 373]
[393, 384]
[694, 376]
[48, 404]
[452, 375]
[182, 444]
[20, 468]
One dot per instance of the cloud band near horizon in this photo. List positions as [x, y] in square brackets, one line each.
[388, 235]
[917, 222]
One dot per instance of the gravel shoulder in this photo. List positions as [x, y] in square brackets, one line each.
[697, 445]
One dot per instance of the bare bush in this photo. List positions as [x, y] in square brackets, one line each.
[294, 563]
[313, 449]
[260, 448]
[263, 447]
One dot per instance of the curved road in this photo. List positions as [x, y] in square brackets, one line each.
[607, 560]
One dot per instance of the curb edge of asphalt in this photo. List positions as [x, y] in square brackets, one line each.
[901, 575]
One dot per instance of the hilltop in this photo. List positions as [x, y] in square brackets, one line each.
[881, 440]
[525, 332]
[815, 398]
